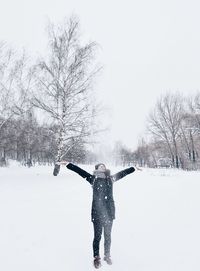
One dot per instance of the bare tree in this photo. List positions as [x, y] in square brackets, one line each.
[15, 81]
[6, 82]
[63, 84]
[165, 122]
[191, 126]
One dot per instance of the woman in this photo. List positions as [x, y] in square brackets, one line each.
[103, 207]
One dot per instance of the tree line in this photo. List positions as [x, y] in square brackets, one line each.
[172, 137]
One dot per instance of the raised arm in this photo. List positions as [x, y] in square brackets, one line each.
[81, 172]
[122, 173]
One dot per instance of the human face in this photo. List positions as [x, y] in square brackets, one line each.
[102, 168]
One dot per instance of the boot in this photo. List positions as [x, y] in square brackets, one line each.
[97, 262]
[108, 260]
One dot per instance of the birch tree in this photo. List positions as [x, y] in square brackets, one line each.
[64, 82]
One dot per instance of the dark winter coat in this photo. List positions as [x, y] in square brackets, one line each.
[103, 206]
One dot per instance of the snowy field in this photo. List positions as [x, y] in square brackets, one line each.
[45, 221]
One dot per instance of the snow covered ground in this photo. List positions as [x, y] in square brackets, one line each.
[45, 221]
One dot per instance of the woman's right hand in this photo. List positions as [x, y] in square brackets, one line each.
[65, 163]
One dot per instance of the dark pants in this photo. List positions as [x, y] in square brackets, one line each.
[98, 228]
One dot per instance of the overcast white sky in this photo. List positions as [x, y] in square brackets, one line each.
[147, 48]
